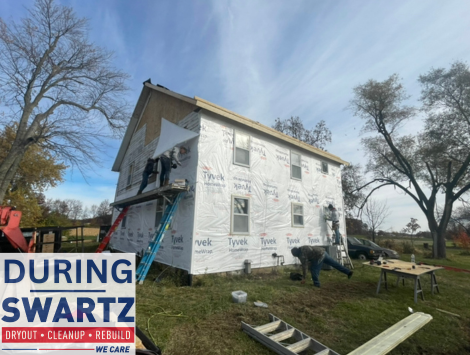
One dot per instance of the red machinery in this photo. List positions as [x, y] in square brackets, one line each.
[10, 226]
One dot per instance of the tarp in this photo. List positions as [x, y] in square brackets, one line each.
[171, 135]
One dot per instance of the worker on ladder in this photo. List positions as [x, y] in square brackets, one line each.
[334, 218]
[166, 162]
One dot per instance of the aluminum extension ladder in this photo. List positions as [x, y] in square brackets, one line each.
[342, 255]
[154, 246]
[272, 334]
[116, 223]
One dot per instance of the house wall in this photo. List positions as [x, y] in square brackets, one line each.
[139, 227]
[161, 105]
[271, 190]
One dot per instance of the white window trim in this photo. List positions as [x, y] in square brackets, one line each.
[291, 165]
[292, 214]
[235, 149]
[327, 167]
[232, 232]
[129, 175]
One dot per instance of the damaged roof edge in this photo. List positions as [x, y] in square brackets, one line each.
[265, 129]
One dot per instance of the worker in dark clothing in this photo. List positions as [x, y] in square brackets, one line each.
[316, 256]
[334, 218]
[169, 160]
[148, 170]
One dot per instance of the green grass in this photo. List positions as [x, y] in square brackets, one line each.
[343, 314]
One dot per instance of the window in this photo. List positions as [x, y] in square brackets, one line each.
[295, 166]
[240, 215]
[241, 151]
[324, 167]
[297, 215]
[123, 222]
[161, 207]
[129, 175]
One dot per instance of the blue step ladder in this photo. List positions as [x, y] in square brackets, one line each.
[154, 246]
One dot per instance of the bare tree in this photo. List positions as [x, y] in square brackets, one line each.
[76, 209]
[437, 159]
[85, 213]
[62, 89]
[375, 214]
[318, 137]
[93, 211]
[104, 212]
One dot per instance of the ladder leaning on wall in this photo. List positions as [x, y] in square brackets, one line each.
[342, 255]
[173, 198]
[154, 246]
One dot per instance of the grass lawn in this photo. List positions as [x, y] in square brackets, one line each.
[343, 314]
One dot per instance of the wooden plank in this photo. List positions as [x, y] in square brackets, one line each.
[405, 267]
[299, 346]
[151, 195]
[48, 238]
[269, 327]
[396, 334]
[282, 335]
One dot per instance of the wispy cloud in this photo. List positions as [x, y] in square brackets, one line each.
[275, 59]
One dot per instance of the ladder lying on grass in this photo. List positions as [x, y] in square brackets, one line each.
[151, 252]
[272, 334]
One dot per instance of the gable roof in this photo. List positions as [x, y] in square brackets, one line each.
[209, 106]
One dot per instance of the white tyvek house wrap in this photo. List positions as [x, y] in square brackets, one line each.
[140, 226]
[207, 246]
[171, 135]
[271, 190]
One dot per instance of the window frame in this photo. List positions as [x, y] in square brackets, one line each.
[164, 205]
[327, 168]
[232, 214]
[296, 214]
[235, 133]
[129, 175]
[124, 222]
[300, 166]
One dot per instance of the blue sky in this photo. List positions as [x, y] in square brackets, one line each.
[269, 59]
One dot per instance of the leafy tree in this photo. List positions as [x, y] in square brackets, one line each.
[437, 158]
[317, 137]
[375, 214]
[461, 219]
[354, 226]
[38, 170]
[352, 178]
[411, 228]
[104, 213]
[60, 87]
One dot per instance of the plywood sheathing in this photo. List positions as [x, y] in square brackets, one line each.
[162, 105]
